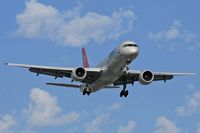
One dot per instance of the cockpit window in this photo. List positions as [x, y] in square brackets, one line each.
[130, 45]
[135, 45]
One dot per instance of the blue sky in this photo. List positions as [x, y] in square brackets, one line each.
[52, 33]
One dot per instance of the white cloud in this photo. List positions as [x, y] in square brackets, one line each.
[7, 123]
[192, 104]
[115, 106]
[95, 125]
[198, 127]
[72, 27]
[172, 33]
[164, 125]
[128, 128]
[173, 36]
[28, 131]
[44, 110]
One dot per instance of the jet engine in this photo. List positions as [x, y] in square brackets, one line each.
[146, 77]
[78, 74]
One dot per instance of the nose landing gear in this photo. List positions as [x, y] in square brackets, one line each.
[128, 62]
[125, 92]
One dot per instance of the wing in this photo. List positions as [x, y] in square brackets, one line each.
[92, 73]
[133, 75]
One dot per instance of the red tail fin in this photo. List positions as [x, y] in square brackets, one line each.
[85, 60]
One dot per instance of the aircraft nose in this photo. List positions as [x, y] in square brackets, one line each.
[129, 49]
[133, 51]
[130, 52]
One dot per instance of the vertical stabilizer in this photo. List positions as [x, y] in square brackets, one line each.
[85, 60]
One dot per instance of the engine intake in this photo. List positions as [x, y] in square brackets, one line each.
[146, 77]
[79, 74]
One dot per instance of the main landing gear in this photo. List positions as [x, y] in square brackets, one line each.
[124, 92]
[86, 91]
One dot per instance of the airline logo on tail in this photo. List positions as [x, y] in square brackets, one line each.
[85, 60]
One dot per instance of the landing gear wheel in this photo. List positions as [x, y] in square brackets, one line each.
[124, 93]
[84, 92]
[127, 68]
[128, 62]
[88, 93]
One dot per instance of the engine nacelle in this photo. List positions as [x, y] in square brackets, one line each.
[146, 77]
[78, 74]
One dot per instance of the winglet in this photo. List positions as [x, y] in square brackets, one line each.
[85, 60]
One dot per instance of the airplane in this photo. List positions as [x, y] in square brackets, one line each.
[112, 72]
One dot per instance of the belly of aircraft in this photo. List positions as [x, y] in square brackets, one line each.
[107, 78]
[104, 81]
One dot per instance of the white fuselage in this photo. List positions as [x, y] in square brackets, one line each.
[115, 64]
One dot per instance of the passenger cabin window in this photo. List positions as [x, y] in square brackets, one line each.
[130, 45]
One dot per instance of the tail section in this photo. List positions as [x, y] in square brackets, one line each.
[85, 60]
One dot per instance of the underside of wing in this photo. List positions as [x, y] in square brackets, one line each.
[92, 73]
[133, 75]
[46, 70]
[168, 75]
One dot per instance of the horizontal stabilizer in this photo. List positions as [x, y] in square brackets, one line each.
[64, 85]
